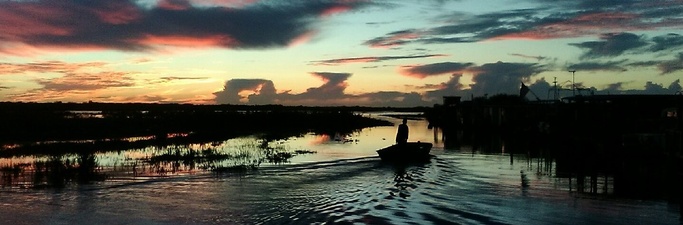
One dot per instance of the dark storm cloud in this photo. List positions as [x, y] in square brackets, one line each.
[262, 90]
[468, 28]
[331, 92]
[645, 63]
[549, 20]
[125, 25]
[495, 24]
[611, 45]
[489, 79]
[540, 89]
[667, 42]
[614, 87]
[664, 66]
[423, 71]
[672, 65]
[598, 66]
[649, 88]
[503, 77]
[452, 87]
[371, 59]
[333, 86]
[591, 4]
[618, 44]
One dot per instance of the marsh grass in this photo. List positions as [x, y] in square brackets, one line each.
[239, 156]
[58, 171]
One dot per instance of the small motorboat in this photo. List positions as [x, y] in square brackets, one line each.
[408, 152]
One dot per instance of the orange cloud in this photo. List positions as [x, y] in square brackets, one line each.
[302, 39]
[87, 81]
[335, 10]
[186, 41]
[30, 19]
[47, 67]
[174, 4]
[139, 26]
[118, 13]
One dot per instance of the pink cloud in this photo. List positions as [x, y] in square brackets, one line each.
[302, 39]
[24, 19]
[335, 10]
[118, 13]
[174, 4]
[187, 41]
[224, 3]
[129, 26]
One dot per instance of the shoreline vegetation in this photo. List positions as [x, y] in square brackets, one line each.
[35, 122]
[64, 139]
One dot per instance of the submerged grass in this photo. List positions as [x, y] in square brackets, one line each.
[63, 148]
[243, 156]
[59, 171]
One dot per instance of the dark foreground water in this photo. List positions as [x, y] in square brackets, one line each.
[344, 183]
[454, 188]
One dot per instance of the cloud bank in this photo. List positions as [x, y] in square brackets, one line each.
[550, 20]
[330, 93]
[129, 25]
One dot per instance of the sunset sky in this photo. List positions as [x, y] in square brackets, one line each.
[333, 52]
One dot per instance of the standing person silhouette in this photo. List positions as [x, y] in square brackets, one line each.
[402, 134]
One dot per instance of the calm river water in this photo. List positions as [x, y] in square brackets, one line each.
[343, 183]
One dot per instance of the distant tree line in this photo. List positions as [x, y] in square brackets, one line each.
[25, 122]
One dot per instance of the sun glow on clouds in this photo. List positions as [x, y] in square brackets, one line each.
[302, 39]
[186, 41]
[118, 13]
[186, 50]
[335, 10]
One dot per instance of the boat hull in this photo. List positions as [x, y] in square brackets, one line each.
[411, 151]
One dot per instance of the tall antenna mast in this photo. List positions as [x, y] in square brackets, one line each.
[573, 82]
[555, 92]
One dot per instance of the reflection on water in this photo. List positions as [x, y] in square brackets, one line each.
[343, 182]
[453, 188]
[54, 171]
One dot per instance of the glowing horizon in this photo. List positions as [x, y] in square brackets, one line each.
[332, 52]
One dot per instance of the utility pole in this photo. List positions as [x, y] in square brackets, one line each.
[573, 83]
[555, 92]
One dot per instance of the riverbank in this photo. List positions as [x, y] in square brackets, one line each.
[54, 144]
[36, 122]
